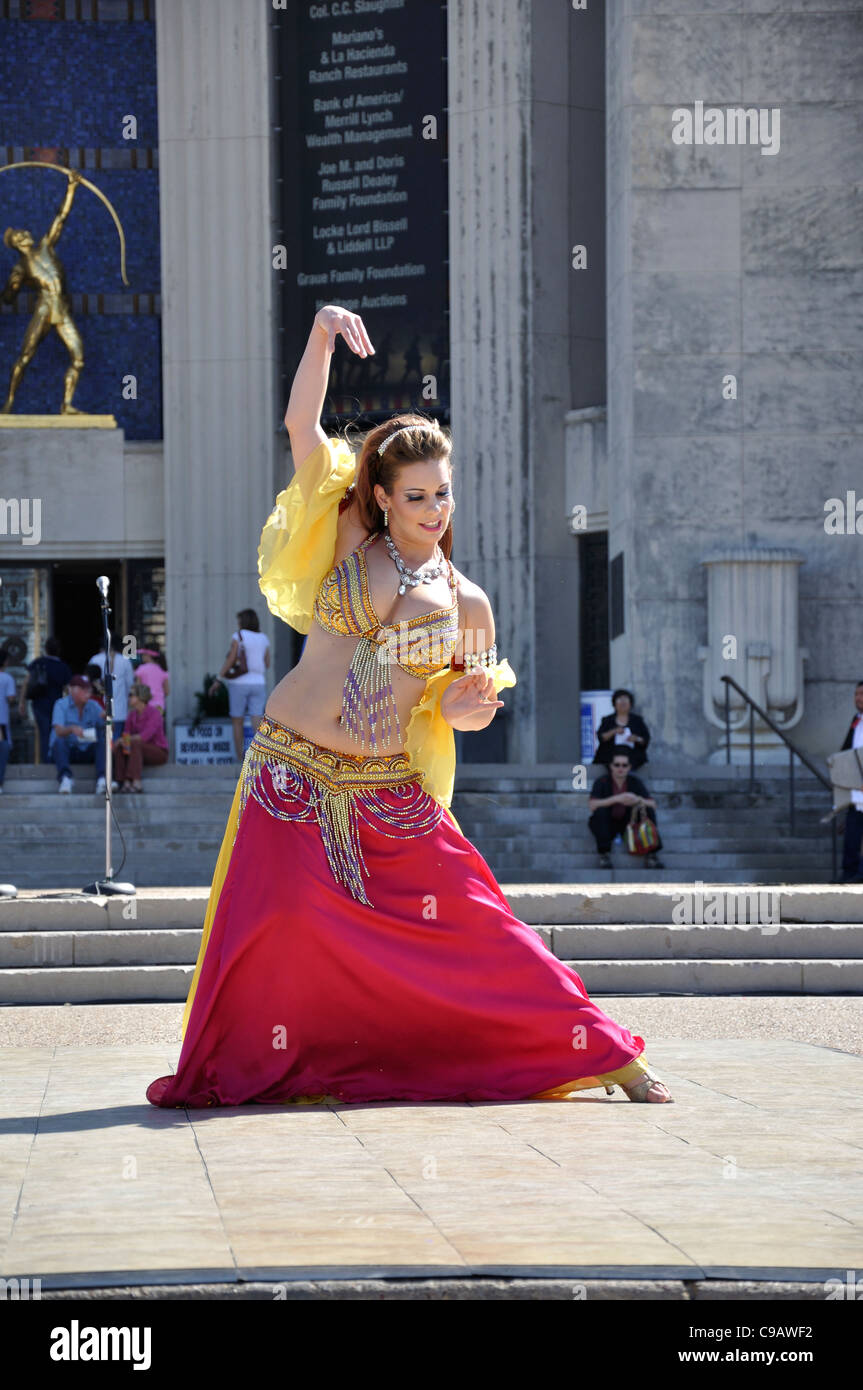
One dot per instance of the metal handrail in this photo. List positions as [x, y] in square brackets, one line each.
[793, 752]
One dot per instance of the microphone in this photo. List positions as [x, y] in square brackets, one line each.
[102, 584]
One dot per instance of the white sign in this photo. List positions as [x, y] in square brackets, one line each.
[210, 742]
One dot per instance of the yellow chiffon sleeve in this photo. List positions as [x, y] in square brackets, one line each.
[430, 740]
[299, 536]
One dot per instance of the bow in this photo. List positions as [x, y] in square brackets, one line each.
[61, 169]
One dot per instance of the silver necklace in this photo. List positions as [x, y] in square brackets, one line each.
[410, 578]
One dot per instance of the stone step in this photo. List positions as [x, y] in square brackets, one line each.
[634, 877]
[84, 797]
[547, 905]
[170, 983]
[138, 946]
[91, 810]
[96, 984]
[182, 784]
[525, 850]
[198, 871]
[142, 945]
[655, 902]
[721, 976]
[718, 857]
[172, 780]
[70, 835]
[699, 840]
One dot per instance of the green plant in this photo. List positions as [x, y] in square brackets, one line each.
[209, 706]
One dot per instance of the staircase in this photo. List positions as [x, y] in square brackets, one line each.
[713, 827]
[58, 949]
[172, 831]
[528, 824]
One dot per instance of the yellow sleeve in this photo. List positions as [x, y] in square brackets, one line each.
[299, 536]
[430, 740]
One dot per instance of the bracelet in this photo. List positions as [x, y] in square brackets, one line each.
[475, 660]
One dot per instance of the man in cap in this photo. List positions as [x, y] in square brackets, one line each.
[77, 733]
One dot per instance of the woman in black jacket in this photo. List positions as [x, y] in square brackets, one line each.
[622, 729]
[612, 797]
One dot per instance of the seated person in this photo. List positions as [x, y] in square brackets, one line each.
[142, 740]
[623, 729]
[612, 797]
[77, 733]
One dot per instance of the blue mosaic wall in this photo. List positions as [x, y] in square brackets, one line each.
[65, 87]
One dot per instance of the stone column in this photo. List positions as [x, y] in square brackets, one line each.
[509, 111]
[219, 354]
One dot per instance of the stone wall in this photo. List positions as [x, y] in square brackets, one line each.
[726, 262]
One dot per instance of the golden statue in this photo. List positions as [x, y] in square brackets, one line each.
[40, 267]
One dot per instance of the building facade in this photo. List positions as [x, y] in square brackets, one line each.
[654, 344]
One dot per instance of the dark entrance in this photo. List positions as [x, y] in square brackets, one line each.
[76, 607]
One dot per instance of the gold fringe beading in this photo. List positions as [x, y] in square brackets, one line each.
[367, 697]
[296, 779]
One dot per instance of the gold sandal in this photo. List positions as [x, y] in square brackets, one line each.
[638, 1090]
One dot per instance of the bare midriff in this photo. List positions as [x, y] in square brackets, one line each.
[309, 698]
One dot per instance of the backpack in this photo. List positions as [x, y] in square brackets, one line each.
[37, 684]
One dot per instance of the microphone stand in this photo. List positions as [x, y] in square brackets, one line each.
[8, 890]
[107, 886]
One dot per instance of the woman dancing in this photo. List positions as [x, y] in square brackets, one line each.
[356, 945]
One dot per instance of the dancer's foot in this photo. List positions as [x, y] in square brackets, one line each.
[649, 1088]
[654, 862]
[605, 861]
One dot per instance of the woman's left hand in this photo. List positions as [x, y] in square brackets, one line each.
[466, 703]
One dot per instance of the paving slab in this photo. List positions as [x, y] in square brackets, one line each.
[756, 1172]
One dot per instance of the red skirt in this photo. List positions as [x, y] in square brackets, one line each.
[357, 947]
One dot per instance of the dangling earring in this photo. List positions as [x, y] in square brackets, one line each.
[386, 518]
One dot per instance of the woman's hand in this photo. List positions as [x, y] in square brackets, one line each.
[469, 702]
[333, 320]
[214, 686]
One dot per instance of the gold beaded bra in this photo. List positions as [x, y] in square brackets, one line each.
[421, 646]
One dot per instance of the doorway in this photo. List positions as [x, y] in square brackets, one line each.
[76, 607]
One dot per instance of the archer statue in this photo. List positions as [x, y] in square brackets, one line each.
[40, 267]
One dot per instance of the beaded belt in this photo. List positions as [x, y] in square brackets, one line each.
[295, 779]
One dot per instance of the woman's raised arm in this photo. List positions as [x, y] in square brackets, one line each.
[309, 388]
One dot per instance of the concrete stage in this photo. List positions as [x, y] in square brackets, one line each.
[754, 1175]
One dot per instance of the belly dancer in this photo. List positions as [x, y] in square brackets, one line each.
[356, 946]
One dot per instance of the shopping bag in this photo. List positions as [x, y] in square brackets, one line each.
[641, 835]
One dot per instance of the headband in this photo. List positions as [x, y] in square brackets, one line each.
[392, 436]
